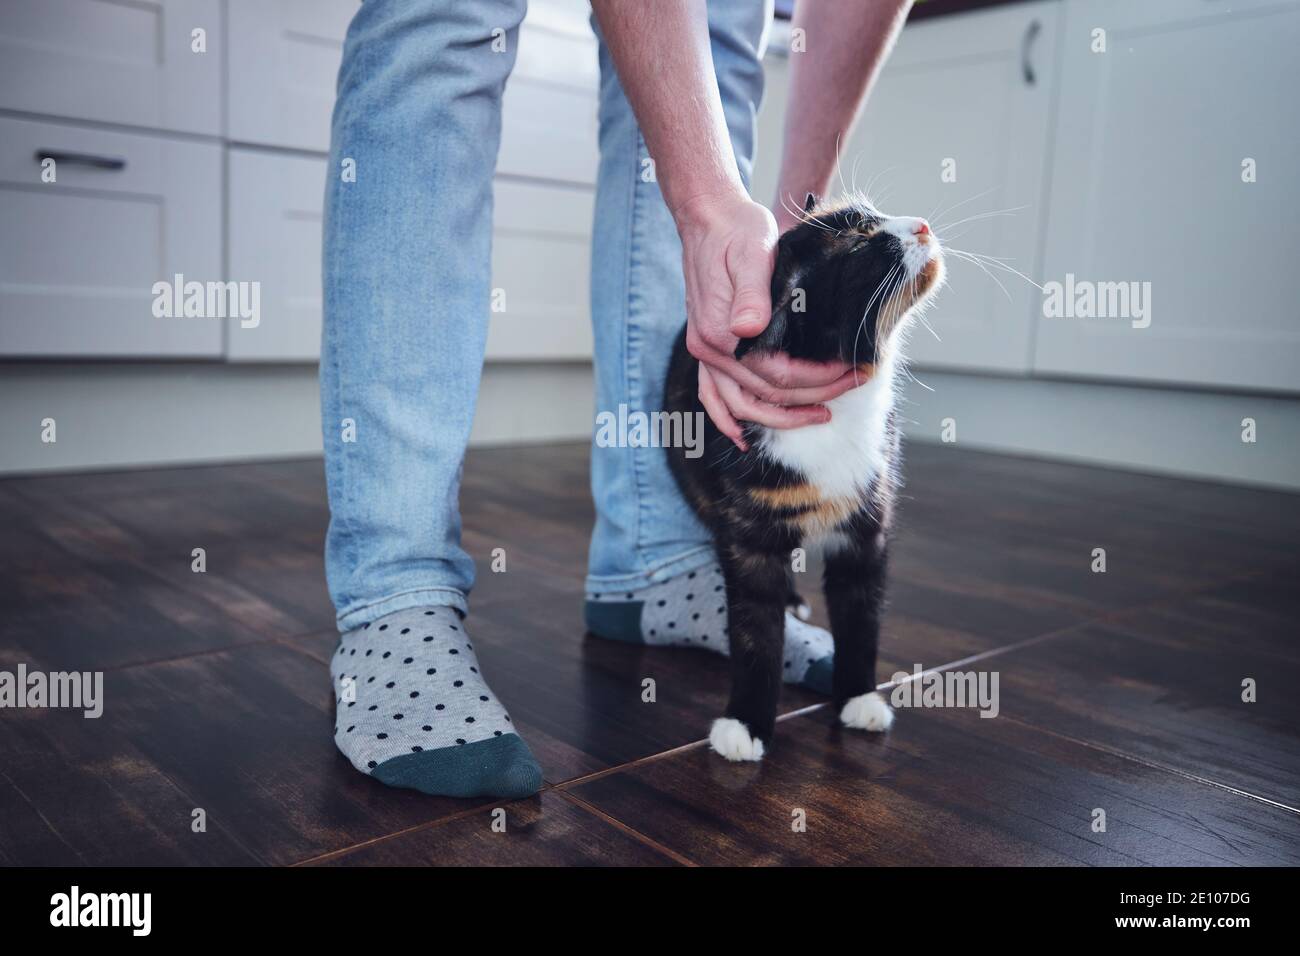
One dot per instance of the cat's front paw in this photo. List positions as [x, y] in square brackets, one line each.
[867, 712]
[731, 738]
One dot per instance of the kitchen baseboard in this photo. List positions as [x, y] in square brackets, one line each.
[141, 415]
[1193, 434]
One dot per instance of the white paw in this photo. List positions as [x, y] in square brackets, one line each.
[867, 712]
[731, 738]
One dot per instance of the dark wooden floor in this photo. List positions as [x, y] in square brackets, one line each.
[1119, 691]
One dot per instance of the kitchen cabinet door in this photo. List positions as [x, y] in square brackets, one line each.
[1174, 184]
[541, 262]
[275, 217]
[548, 111]
[957, 130]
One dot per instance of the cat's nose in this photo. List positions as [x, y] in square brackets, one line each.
[922, 228]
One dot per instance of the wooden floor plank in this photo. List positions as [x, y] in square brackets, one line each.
[218, 692]
[77, 791]
[546, 830]
[1165, 685]
[246, 734]
[943, 788]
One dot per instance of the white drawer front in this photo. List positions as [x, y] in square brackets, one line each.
[548, 113]
[79, 257]
[275, 217]
[131, 63]
[540, 263]
[541, 259]
[283, 64]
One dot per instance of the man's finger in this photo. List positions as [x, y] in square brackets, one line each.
[766, 392]
[751, 298]
[717, 409]
[785, 372]
[745, 406]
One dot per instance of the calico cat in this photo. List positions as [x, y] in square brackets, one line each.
[846, 284]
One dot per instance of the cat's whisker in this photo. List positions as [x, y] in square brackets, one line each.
[983, 268]
[977, 218]
[839, 165]
[900, 276]
[805, 217]
[949, 209]
[916, 380]
[867, 311]
[853, 173]
[997, 264]
[919, 313]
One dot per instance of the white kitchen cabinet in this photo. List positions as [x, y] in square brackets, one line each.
[283, 64]
[540, 263]
[541, 258]
[274, 222]
[548, 113]
[128, 63]
[1147, 187]
[969, 94]
[79, 256]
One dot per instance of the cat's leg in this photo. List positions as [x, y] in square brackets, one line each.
[855, 594]
[756, 593]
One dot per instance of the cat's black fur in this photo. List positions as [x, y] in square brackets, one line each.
[758, 510]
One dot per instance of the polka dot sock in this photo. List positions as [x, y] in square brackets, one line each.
[412, 710]
[690, 610]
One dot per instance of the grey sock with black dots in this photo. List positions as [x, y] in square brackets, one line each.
[690, 610]
[412, 710]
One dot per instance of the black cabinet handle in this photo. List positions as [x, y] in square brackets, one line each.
[115, 163]
[1026, 46]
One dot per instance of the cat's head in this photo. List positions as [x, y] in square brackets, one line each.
[847, 280]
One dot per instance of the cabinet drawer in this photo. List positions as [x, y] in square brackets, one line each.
[283, 65]
[540, 261]
[79, 256]
[274, 217]
[541, 258]
[128, 63]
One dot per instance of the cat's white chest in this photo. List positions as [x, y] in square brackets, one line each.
[842, 457]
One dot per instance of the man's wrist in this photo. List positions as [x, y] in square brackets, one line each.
[704, 208]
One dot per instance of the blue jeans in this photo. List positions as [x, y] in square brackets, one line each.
[407, 281]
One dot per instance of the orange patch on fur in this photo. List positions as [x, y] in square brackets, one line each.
[790, 496]
[829, 514]
[815, 514]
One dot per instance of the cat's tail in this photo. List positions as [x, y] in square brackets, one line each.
[794, 602]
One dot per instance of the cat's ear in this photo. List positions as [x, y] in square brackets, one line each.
[810, 202]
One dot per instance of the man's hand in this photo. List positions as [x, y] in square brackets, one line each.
[728, 247]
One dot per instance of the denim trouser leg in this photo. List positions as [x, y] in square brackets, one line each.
[645, 531]
[406, 286]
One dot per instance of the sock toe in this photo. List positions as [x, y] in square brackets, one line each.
[614, 620]
[818, 675]
[496, 767]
